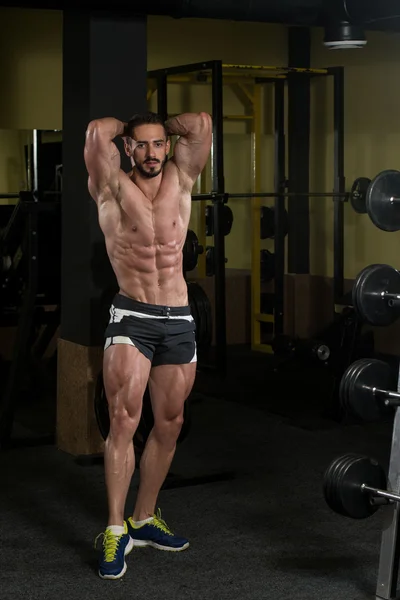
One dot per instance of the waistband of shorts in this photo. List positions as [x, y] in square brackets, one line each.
[154, 310]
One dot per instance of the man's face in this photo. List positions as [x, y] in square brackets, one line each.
[149, 149]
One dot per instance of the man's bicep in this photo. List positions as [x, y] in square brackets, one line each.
[191, 152]
[103, 163]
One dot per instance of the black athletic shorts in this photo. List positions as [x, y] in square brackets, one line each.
[164, 334]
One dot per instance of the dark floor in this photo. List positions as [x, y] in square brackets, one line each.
[266, 533]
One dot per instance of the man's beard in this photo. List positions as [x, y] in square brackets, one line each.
[154, 171]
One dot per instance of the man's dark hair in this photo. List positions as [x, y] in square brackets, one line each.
[147, 118]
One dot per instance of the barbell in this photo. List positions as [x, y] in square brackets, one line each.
[357, 195]
[376, 295]
[379, 197]
[354, 486]
[368, 389]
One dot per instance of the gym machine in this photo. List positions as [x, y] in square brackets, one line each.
[30, 293]
[356, 486]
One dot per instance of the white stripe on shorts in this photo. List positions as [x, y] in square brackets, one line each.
[117, 314]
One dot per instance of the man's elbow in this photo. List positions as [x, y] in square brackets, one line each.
[205, 122]
[92, 128]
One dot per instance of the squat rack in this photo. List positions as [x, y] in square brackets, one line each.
[247, 81]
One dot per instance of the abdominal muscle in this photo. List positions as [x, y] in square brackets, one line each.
[149, 273]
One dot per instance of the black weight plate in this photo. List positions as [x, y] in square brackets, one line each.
[227, 219]
[361, 470]
[336, 483]
[372, 373]
[371, 287]
[358, 194]
[383, 213]
[329, 483]
[357, 366]
[190, 251]
[344, 385]
[267, 222]
[358, 286]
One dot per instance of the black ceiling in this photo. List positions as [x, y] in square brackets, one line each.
[382, 15]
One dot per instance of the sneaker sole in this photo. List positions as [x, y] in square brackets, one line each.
[142, 544]
[128, 550]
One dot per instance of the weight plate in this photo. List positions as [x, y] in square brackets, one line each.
[337, 478]
[358, 286]
[332, 496]
[370, 289]
[344, 386]
[384, 213]
[227, 219]
[267, 222]
[358, 194]
[357, 366]
[360, 470]
[190, 251]
[329, 483]
[334, 501]
[371, 374]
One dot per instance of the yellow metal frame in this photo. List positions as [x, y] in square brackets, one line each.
[244, 81]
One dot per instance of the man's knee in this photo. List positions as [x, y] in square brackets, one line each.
[168, 427]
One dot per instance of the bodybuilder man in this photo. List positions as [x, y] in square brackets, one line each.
[150, 338]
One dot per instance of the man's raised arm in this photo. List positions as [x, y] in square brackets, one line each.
[193, 147]
[102, 157]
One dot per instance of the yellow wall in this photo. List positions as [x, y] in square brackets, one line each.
[372, 142]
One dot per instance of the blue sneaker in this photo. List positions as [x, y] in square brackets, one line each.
[112, 563]
[156, 534]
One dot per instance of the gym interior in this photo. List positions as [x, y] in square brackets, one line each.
[292, 280]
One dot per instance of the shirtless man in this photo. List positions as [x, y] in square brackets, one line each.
[150, 338]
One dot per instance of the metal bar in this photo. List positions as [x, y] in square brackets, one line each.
[344, 195]
[35, 161]
[218, 185]
[270, 68]
[390, 398]
[190, 68]
[162, 97]
[381, 493]
[339, 185]
[11, 195]
[389, 558]
[238, 117]
[255, 220]
[280, 168]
